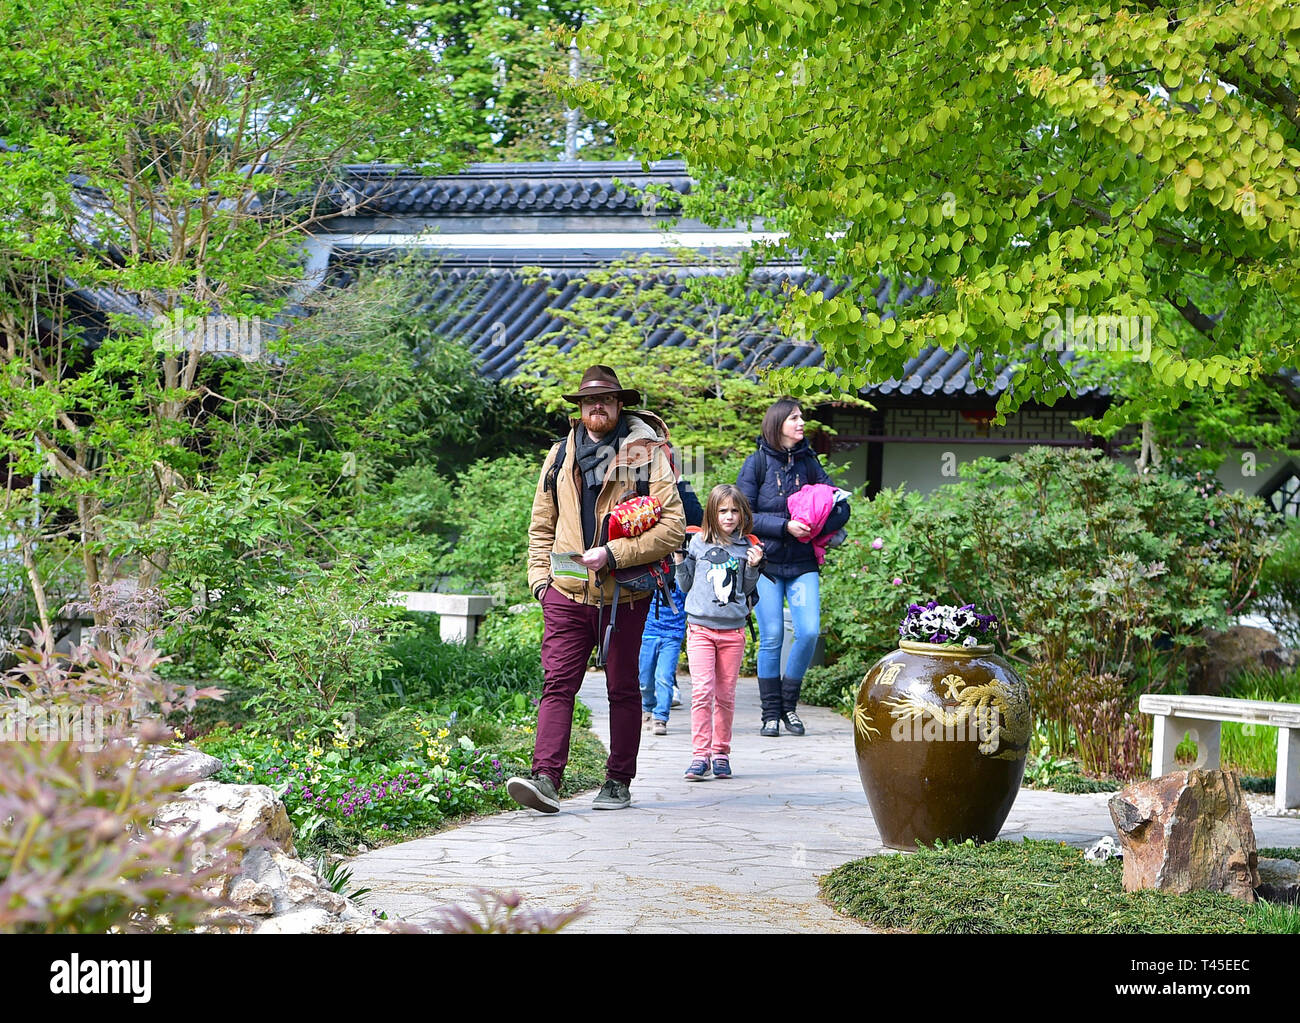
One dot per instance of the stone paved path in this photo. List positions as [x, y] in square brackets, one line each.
[736, 856]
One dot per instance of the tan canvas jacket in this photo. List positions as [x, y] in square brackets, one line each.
[562, 533]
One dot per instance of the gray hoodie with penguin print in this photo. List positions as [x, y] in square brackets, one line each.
[717, 581]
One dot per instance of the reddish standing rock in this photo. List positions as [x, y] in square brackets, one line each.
[1187, 830]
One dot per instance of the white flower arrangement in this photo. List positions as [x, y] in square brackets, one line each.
[947, 623]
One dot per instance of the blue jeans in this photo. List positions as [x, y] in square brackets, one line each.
[659, 657]
[804, 596]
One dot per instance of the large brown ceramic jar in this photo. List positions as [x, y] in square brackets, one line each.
[941, 732]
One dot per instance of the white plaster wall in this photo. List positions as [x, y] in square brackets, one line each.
[848, 468]
[927, 466]
[1250, 473]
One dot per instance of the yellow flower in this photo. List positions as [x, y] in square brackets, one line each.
[443, 733]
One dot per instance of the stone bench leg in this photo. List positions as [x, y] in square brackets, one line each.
[1169, 731]
[1287, 793]
[453, 628]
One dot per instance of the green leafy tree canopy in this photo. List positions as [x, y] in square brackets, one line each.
[1132, 161]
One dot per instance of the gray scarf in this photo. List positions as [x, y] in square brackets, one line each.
[594, 458]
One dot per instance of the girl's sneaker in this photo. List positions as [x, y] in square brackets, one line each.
[698, 771]
[721, 767]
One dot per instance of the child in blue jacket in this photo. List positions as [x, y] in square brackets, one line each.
[661, 642]
[661, 649]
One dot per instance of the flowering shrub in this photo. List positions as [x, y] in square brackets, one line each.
[946, 623]
[1091, 569]
[357, 789]
[864, 582]
[1077, 556]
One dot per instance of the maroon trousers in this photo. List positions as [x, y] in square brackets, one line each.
[572, 632]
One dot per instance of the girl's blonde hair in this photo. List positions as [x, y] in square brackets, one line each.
[712, 531]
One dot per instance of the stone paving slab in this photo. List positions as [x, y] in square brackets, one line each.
[738, 856]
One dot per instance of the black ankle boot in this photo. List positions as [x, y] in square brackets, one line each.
[790, 688]
[769, 694]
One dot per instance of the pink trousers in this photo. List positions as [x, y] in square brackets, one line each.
[714, 656]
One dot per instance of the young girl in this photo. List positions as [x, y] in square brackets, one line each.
[718, 574]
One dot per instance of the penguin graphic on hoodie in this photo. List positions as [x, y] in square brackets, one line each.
[723, 573]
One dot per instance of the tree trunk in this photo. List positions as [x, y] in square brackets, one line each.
[571, 114]
[38, 592]
[1149, 456]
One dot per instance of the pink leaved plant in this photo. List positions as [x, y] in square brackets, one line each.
[78, 852]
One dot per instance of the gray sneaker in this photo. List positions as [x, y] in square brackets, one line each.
[613, 795]
[536, 793]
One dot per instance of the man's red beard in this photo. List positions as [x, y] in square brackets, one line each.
[599, 420]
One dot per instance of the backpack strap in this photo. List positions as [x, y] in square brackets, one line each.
[642, 472]
[553, 473]
[752, 599]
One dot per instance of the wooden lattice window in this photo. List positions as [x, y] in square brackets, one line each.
[1283, 492]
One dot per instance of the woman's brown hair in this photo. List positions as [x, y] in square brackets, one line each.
[712, 531]
[774, 418]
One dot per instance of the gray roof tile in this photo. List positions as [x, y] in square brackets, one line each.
[503, 189]
[496, 311]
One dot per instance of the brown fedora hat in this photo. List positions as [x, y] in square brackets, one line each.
[603, 380]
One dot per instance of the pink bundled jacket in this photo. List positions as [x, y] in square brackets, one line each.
[811, 504]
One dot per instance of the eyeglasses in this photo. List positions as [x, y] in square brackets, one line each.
[603, 402]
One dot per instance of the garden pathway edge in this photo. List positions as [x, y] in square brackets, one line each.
[735, 856]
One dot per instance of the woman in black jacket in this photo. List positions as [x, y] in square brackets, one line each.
[783, 463]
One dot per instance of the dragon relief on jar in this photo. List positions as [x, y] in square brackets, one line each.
[997, 714]
[863, 723]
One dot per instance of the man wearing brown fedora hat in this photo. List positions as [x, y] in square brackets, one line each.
[609, 454]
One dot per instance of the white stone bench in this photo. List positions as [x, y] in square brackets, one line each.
[1202, 716]
[458, 614]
